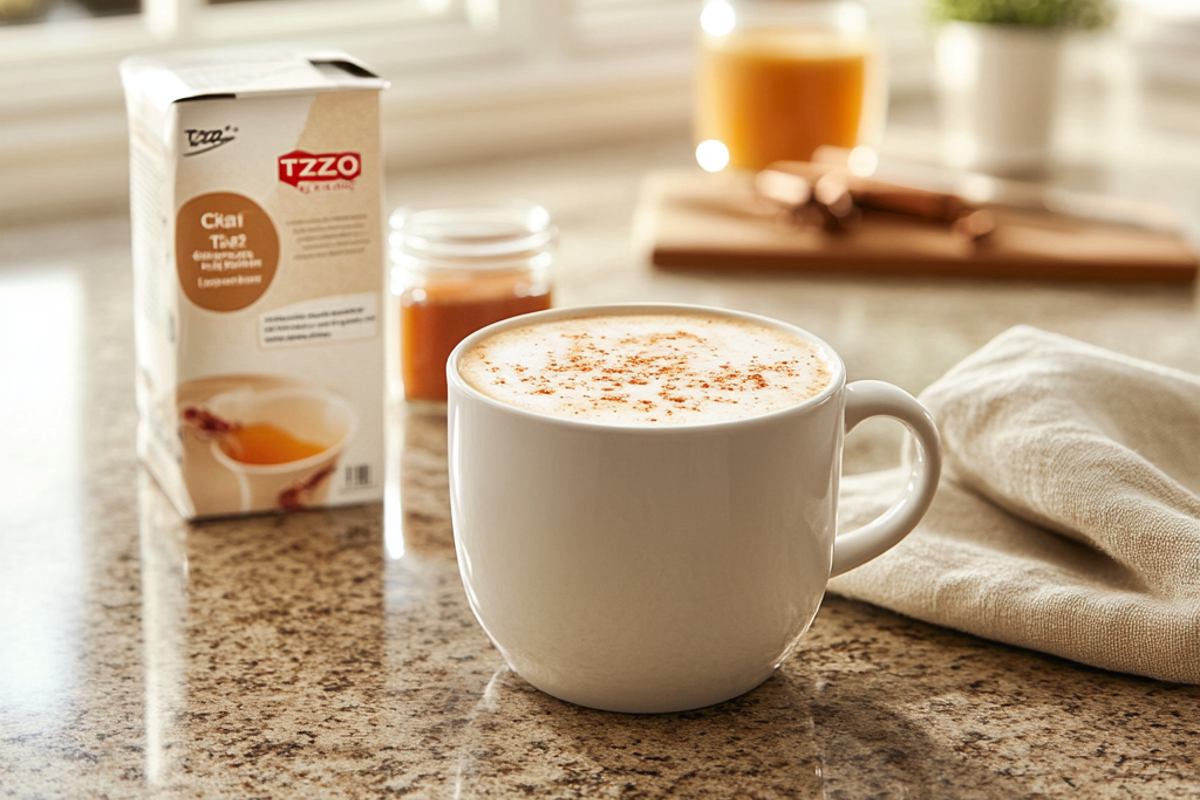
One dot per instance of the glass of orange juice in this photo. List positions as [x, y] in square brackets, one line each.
[776, 79]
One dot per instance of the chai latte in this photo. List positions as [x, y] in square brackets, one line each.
[652, 369]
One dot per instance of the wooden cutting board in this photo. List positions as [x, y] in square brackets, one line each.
[691, 219]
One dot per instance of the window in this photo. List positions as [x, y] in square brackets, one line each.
[469, 77]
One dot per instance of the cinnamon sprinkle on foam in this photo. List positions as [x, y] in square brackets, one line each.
[647, 368]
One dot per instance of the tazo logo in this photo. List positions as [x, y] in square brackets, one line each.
[299, 167]
[208, 140]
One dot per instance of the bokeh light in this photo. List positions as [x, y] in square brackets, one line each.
[712, 155]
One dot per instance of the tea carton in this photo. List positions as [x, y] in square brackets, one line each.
[256, 197]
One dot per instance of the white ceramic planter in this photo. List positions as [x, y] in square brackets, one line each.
[997, 95]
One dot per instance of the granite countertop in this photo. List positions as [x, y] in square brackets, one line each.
[331, 654]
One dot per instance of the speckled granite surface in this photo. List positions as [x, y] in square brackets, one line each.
[333, 654]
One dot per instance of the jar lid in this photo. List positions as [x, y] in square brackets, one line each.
[489, 234]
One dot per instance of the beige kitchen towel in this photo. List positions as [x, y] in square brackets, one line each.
[1068, 515]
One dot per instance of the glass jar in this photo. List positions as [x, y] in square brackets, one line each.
[456, 269]
[776, 79]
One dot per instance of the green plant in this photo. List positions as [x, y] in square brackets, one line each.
[21, 10]
[1084, 14]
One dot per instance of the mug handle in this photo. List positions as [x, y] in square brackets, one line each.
[874, 399]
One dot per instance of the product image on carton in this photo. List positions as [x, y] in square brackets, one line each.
[256, 196]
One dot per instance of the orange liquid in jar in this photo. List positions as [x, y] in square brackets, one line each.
[434, 319]
[264, 443]
[772, 95]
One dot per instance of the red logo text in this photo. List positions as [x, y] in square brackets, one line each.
[300, 167]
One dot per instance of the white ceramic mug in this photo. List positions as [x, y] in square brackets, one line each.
[645, 569]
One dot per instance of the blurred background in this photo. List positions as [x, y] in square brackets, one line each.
[471, 79]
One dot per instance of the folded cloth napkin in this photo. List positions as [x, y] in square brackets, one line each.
[1067, 519]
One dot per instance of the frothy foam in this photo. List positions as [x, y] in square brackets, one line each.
[653, 368]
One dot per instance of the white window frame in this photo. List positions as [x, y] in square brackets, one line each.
[470, 78]
[477, 78]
